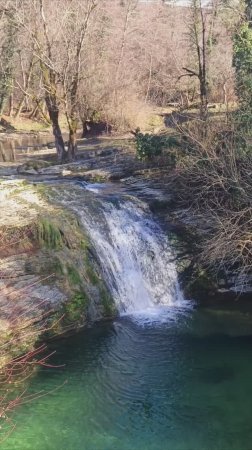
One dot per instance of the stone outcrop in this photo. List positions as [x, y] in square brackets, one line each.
[50, 280]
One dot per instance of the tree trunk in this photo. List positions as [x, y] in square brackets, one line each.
[72, 143]
[20, 106]
[13, 151]
[34, 112]
[26, 83]
[42, 111]
[59, 142]
[203, 71]
[49, 82]
[72, 146]
[2, 152]
[84, 128]
[11, 105]
[203, 100]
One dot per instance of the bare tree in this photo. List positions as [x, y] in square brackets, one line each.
[80, 15]
[113, 61]
[50, 79]
[26, 80]
[201, 35]
[7, 51]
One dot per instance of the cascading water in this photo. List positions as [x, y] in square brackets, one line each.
[134, 253]
[135, 257]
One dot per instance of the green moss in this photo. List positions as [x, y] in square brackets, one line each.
[75, 309]
[107, 302]
[49, 235]
[98, 179]
[52, 266]
[73, 275]
[57, 267]
[24, 342]
[90, 271]
[200, 285]
[84, 244]
[92, 275]
[44, 191]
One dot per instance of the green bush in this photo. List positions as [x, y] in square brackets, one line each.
[148, 146]
[242, 61]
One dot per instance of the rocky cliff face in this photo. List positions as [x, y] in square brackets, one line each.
[50, 280]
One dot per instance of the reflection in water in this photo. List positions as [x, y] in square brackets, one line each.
[7, 152]
[12, 149]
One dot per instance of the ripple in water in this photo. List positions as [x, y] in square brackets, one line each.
[150, 380]
[142, 388]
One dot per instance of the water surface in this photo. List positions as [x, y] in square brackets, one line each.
[134, 385]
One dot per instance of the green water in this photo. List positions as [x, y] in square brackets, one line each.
[180, 385]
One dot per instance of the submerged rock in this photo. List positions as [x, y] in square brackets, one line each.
[216, 375]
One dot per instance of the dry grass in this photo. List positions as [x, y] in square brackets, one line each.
[213, 185]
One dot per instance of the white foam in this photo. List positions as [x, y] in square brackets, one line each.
[135, 255]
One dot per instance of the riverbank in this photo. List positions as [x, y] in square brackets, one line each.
[113, 159]
[50, 280]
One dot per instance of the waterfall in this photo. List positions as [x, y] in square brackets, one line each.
[135, 255]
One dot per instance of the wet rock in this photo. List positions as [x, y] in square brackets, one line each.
[107, 152]
[32, 167]
[97, 175]
[6, 171]
[116, 176]
[50, 145]
[47, 268]
[26, 171]
[55, 170]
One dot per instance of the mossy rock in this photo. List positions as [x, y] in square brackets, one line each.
[33, 165]
[200, 285]
[52, 253]
[73, 275]
[75, 310]
[107, 302]
[49, 234]
[73, 267]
